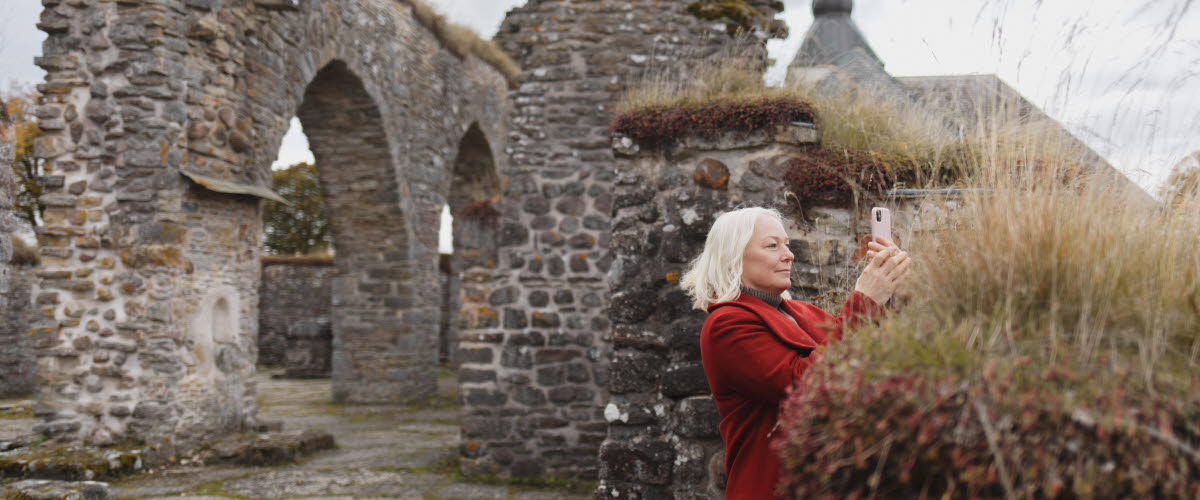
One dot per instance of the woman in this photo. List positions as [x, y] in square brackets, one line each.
[756, 342]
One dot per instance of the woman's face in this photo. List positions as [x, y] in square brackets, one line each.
[767, 262]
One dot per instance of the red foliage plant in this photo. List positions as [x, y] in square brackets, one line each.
[850, 434]
[831, 175]
[481, 209]
[298, 260]
[658, 127]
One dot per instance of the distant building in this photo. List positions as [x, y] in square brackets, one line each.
[835, 55]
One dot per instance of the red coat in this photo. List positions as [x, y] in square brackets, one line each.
[752, 353]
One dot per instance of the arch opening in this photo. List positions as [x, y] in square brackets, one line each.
[471, 202]
[375, 353]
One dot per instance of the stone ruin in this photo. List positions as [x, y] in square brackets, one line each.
[162, 118]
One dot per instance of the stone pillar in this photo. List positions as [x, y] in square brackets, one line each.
[14, 367]
[535, 334]
[663, 440]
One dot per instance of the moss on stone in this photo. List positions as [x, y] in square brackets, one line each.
[70, 463]
[739, 17]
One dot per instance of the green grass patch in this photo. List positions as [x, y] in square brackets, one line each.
[16, 409]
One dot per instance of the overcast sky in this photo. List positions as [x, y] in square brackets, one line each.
[1122, 75]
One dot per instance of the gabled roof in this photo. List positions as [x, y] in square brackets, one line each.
[835, 55]
[969, 102]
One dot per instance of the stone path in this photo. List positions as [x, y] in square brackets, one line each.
[383, 452]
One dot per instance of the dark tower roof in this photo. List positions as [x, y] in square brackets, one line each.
[831, 35]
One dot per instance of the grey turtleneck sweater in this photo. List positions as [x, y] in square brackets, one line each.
[771, 299]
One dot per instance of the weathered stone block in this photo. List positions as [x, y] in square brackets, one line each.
[696, 417]
[684, 379]
[635, 371]
[642, 460]
[41, 489]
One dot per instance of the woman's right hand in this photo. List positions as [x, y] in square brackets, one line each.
[886, 271]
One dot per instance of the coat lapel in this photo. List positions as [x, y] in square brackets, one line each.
[788, 332]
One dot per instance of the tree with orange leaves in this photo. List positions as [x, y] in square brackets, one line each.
[27, 166]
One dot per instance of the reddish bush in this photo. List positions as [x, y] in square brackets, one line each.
[482, 209]
[830, 176]
[298, 260]
[850, 435]
[657, 127]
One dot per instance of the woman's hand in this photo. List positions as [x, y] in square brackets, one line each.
[886, 271]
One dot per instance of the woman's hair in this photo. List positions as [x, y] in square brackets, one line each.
[716, 275]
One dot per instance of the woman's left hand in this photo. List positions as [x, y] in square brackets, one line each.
[886, 271]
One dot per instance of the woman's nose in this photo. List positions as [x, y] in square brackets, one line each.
[787, 254]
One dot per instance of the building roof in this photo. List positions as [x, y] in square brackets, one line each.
[835, 55]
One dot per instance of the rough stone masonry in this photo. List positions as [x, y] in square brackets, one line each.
[161, 120]
[12, 350]
[534, 330]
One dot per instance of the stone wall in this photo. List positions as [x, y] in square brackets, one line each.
[662, 438]
[161, 120]
[533, 327]
[17, 362]
[292, 290]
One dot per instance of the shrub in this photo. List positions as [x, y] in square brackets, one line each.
[832, 175]
[1047, 349]
[481, 209]
[849, 435]
[659, 126]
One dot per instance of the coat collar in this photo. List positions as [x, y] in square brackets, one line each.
[785, 330]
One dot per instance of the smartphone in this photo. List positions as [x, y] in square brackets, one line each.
[881, 223]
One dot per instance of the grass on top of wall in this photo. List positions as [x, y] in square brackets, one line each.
[914, 137]
[659, 126]
[462, 41]
[725, 93]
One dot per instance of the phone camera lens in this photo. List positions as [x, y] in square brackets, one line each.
[879, 216]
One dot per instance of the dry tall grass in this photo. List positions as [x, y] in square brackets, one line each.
[1051, 274]
[938, 144]
[463, 41]
[735, 74]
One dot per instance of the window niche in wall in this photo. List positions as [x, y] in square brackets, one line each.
[214, 330]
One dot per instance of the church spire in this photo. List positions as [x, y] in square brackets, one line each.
[832, 35]
[827, 7]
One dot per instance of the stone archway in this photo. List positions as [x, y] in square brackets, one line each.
[136, 247]
[377, 357]
[474, 193]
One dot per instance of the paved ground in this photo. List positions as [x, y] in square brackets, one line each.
[383, 452]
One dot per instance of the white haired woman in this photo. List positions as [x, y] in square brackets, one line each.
[756, 341]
